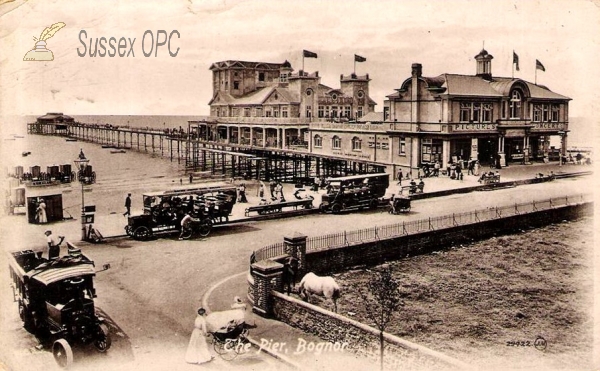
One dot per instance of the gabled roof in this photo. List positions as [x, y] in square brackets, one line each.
[372, 117]
[256, 97]
[244, 64]
[467, 85]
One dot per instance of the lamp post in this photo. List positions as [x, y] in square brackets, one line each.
[82, 163]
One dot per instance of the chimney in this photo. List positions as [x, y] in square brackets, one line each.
[417, 69]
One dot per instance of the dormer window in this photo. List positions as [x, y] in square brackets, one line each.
[236, 85]
[283, 77]
[334, 97]
[360, 94]
[515, 104]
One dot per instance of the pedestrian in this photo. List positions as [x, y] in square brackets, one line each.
[180, 181]
[436, 168]
[242, 191]
[197, 350]
[399, 176]
[127, 205]
[261, 190]
[40, 212]
[272, 188]
[186, 225]
[191, 178]
[53, 245]
[476, 168]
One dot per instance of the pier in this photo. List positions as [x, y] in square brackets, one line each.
[293, 164]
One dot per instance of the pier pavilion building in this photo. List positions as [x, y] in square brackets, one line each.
[449, 117]
[268, 105]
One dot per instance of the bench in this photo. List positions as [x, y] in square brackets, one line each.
[490, 179]
[278, 207]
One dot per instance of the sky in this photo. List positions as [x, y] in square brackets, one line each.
[444, 36]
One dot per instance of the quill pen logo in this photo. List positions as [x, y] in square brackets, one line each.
[40, 52]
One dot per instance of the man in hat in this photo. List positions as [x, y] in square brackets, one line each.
[127, 205]
[53, 245]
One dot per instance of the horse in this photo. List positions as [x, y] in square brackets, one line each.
[290, 268]
[322, 286]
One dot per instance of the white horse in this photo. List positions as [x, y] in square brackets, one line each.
[322, 286]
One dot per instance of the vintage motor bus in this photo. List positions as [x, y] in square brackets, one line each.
[354, 192]
[56, 301]
[163, 211]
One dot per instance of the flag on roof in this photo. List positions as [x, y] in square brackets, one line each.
[358, 58]
[516, 59]
[307, 54]
[539, 66]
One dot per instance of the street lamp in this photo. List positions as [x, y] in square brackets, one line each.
[82, 163]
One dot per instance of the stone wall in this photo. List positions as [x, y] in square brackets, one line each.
[357, 337]
[339, 259]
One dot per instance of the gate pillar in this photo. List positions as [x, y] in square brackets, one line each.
[267, 276]
[295, 247]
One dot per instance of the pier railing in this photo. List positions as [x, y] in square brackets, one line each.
[347, 238]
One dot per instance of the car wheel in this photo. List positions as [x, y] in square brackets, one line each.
[142, 233]
[102, 341]
[62, 352]
[205, 227]
[336, 208]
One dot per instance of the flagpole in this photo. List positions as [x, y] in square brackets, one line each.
[536, 74]
[513, 65]
[302, 61]
[354, 66]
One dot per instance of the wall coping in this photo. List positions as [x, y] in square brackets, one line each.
[387, 336]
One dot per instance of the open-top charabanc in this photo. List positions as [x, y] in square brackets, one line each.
[56, 301]
[354, 192]
[163, 211]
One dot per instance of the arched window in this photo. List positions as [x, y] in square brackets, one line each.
[336, 142]
[356, 144]
[515, 104]
[318, 141]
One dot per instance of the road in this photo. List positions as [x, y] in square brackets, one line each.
[153, 288]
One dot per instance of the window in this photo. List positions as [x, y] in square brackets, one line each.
[236, 85]
[224, 112]
[347, 111]
[268, 112]
[308, 111]
[431, 150]
[476, 112]
[259, 112]
[555, 112]
[246, 112]
[261, 76]
[284, 111]
[334, 111]
[465, 112]
[545, 113]
[504, 109]
[235, 112]
[359, 113]
[336, 142]
[537, 113]
[275, 111]
[515, 105]
[283, 77]
[334, 97]
[309, 92]
[356, 144]
[321, 111]
[360, 94]
[402, 147]
[326, 111]
[487, 110]
[318, 141]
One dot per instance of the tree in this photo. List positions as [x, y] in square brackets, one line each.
[382, 299]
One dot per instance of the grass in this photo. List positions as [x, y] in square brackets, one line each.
[470, 300]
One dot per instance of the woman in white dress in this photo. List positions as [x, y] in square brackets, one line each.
[197, 350]
[41, 212]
